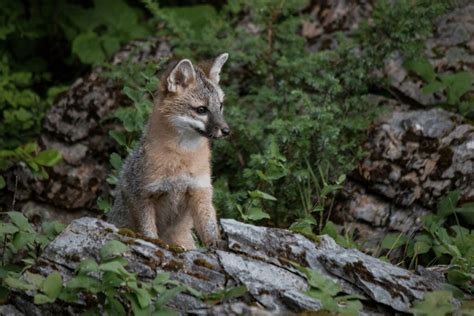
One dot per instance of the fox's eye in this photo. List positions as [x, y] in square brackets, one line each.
[201, 110]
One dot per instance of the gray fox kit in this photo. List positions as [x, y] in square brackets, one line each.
[165, 186]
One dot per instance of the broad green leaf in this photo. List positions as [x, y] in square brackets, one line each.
[466, 211]
[16, 283]
[118, 137]
[116, 161]
[42, 299]
[456, 85]
[234, 292]
[136, 308]
[143, 297]
[88, 283]
[114, 307]
[422, 68]
[20, 221]
[112, 248]
[7, 228]
[87, 265]
[35, 279]
[447, 205]
[257, 194]
[458, 277]
[392, 241]
[88, 48]
[432, 87]
[421, 247]
[48, 158]
[166, 296]
[434, 304]
[2, 182]
[52, 285]
[114, 267]
[22, 239]
[256, 213]
[161, 278]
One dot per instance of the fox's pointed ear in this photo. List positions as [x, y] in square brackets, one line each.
[217, 66]
[182, 75]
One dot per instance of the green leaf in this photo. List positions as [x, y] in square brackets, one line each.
[20, 221]
[143, 297]
[392, 241]
[34, 279]
[7, 228]
[458, 277]
[48, 158]
[456, 85]
[114, 267]
[320, 282]
[18, 283]
[114, 307]
[257, 194]
[87, 46]
[42, 299]
[87, 265]
[136, 308]
[112, 248]
[422, 68]
[161, 278]
[447, 205]
[256, 214]
[421, 247]
[22, 239]
[118, 137]
[432, 87]
[434, 304]
[466, 211]
[116, 161]
[88, 283]
[52, 285]
[166, 296]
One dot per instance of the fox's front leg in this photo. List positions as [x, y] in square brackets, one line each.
[145, 219]
[204, 215]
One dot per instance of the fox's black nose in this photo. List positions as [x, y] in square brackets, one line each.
[225, 131]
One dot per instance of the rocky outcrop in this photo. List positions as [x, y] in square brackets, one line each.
[75, 125]
[415, 158]
[416, 152]
[450, 50]
[258, 257]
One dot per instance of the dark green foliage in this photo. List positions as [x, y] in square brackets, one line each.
[454, 85]
[42, 46]
[328, 293]
[444, 240]
[291, 111]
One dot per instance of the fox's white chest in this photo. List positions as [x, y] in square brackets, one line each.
[179, 183]
[171, 192]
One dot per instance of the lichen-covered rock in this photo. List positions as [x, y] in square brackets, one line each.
[75, 126]
[414, 159]
[449, 50]
[258, 257]
[418, 156]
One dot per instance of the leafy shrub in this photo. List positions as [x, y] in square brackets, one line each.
[291, 111]
[328, 292]
[444, 240]
[455, 85]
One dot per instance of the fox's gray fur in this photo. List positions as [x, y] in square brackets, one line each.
[165, 188]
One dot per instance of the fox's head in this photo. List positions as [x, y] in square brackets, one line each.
[192, 100]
